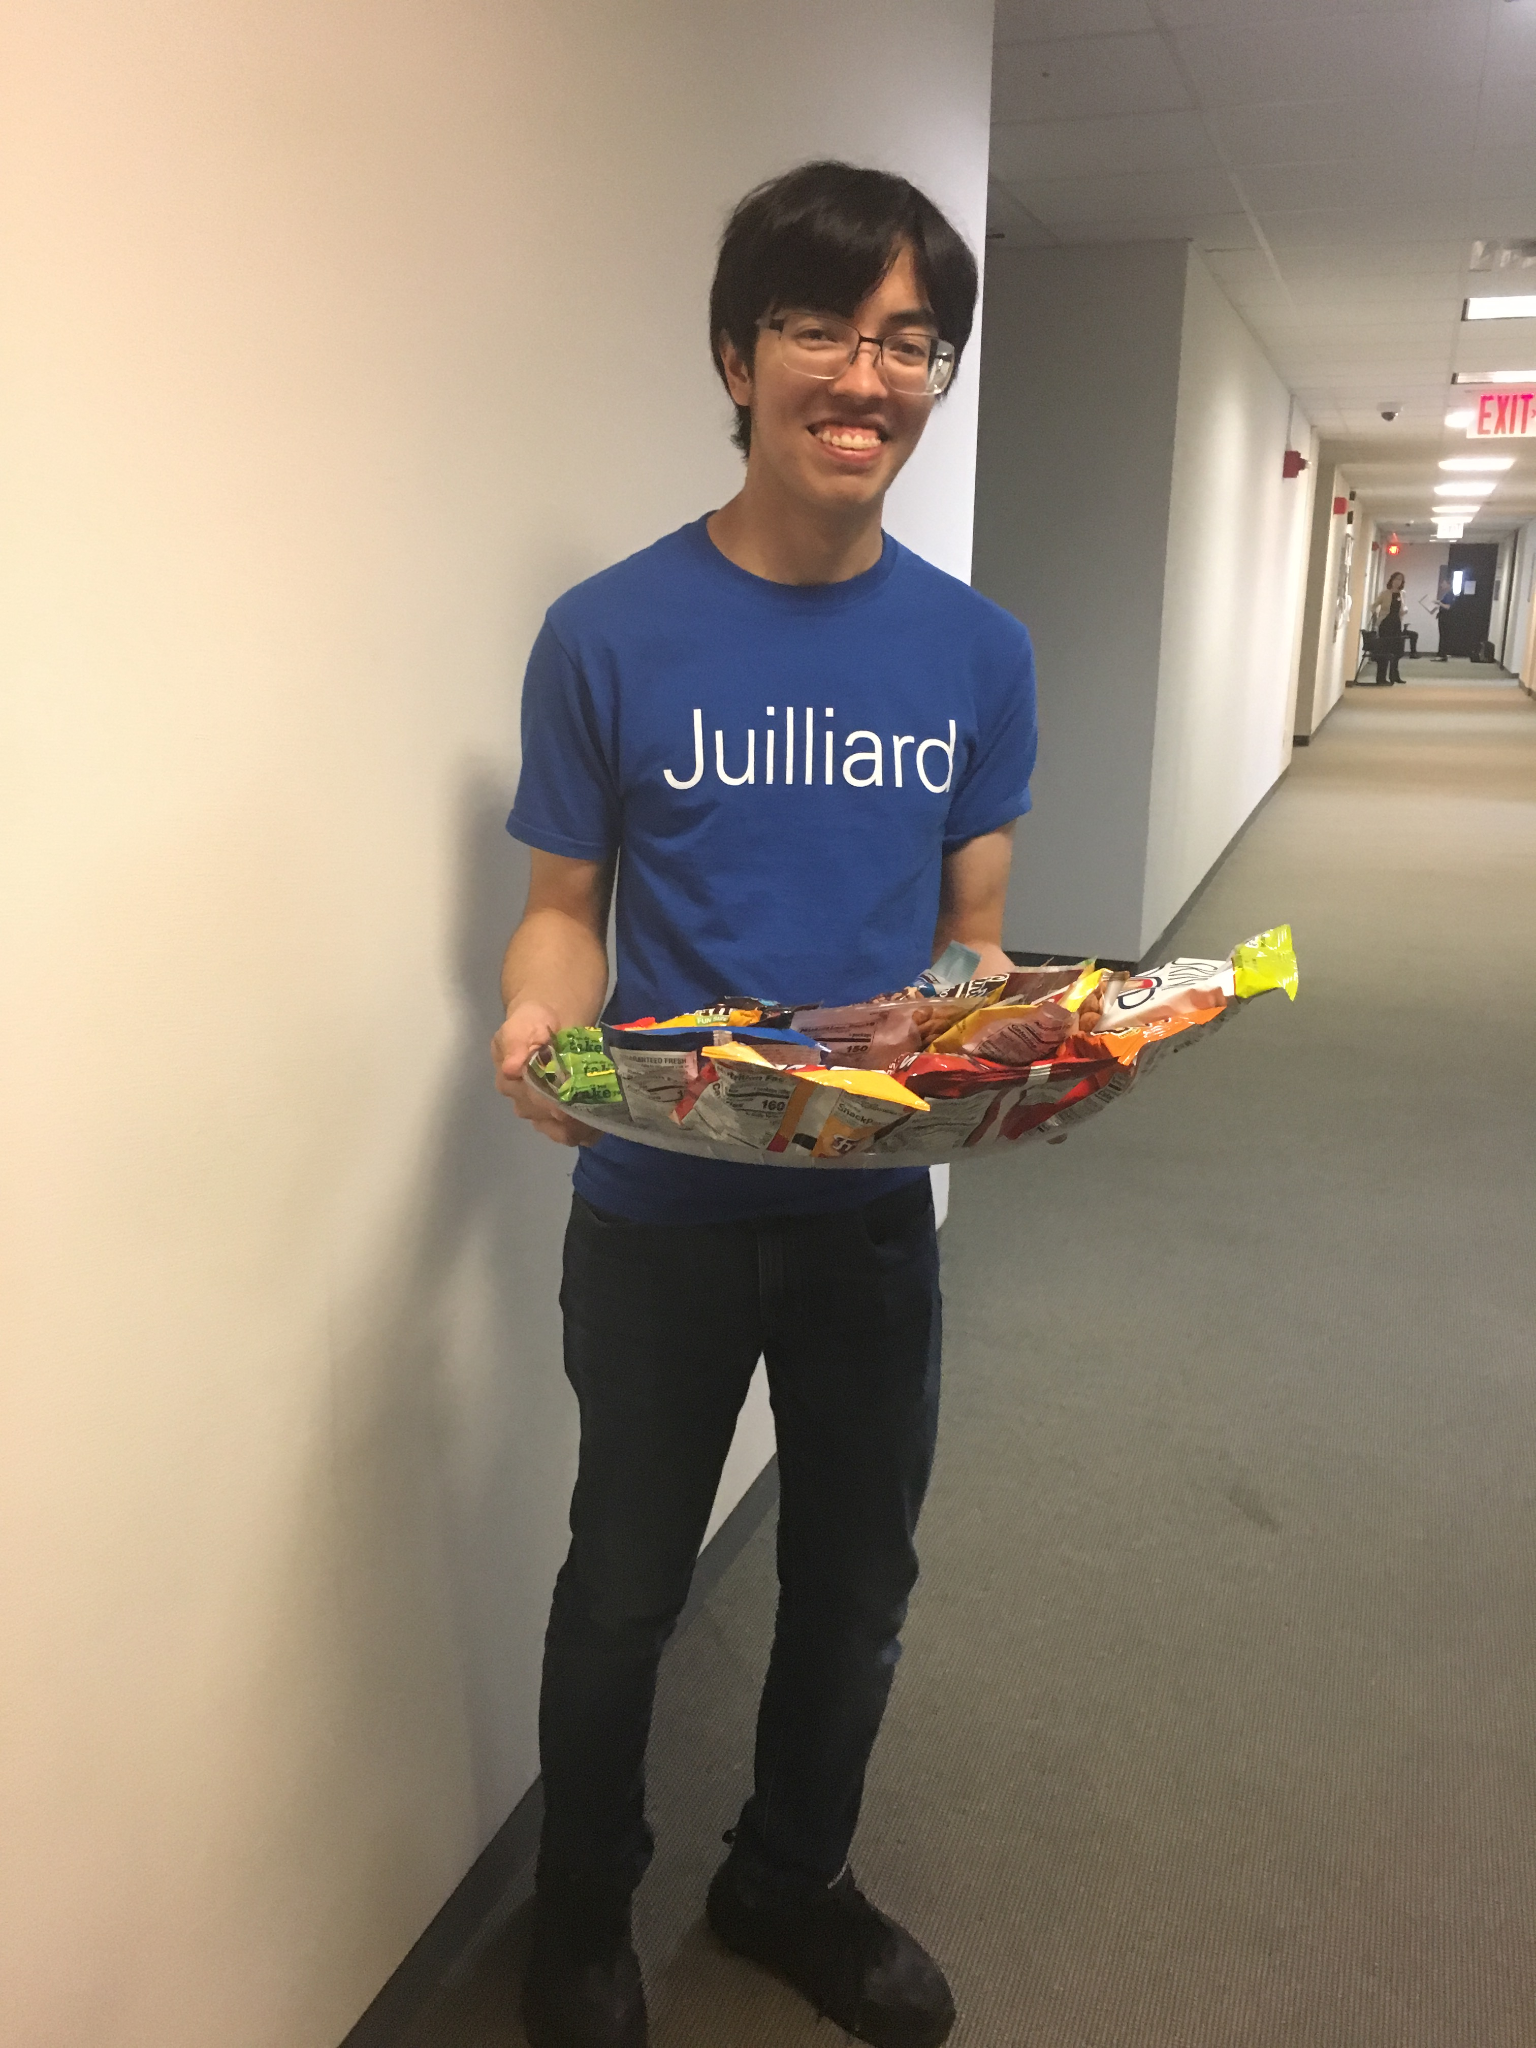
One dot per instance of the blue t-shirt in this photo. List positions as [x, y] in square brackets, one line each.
[781, 768]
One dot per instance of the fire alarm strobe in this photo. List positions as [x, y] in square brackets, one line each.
[1295, 462]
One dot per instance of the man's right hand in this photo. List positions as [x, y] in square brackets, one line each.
[528, 1026]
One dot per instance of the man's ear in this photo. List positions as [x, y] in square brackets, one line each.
[738, 375]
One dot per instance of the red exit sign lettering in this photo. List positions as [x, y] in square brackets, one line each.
[1503, 415]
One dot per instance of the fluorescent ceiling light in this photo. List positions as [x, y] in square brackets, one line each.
[1466, 487]
[1472, 462]
[1494, 377]
[1509, 307]
[1455, 511]
[1460, 419]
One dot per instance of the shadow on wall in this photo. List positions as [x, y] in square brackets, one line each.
[451, 1447]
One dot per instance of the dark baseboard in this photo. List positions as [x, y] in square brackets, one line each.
[1301, 739]
[1060, 959]
[501, 1877]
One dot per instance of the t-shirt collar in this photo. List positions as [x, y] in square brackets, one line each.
[798, 597]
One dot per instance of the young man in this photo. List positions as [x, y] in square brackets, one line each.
[804, 749]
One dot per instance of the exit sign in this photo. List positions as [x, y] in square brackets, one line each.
[1503, 415]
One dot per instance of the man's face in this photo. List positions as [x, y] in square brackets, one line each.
[836, 444]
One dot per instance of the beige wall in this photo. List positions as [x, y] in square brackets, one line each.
[340, 339]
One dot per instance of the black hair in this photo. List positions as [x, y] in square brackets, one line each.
[823, 236]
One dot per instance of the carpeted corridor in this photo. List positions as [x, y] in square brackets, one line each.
[1217, 1722]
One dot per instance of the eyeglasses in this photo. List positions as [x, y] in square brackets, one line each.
[819, 345]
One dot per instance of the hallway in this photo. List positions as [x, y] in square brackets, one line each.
[1215, 1726]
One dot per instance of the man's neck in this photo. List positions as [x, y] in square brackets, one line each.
[777, 538]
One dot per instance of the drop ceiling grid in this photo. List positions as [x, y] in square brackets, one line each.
[1370, 140]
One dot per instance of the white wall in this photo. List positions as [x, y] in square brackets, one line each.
[1080, 370]
[1235, 581]
[1320, 669]
[1518, 632]
[341, 339]
[1131, 510]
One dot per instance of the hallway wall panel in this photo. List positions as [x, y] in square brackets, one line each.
[1232, 599]
[1132, 511]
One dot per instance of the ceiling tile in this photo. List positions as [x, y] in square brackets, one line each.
[1500, 219]
[1363, 226]
[1026, 150]
[1353, 56]
[1442, 261]
[1296, 187]
[1229, 13]
[1218, 231]
[1506, 174]
[1065, 81]
[1348, 130]
[1512, 43]
[1034, 21]
[1508, 114]
[1161, 194]
[1235, 268]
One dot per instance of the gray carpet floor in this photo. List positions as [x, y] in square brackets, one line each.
[1217, 1722]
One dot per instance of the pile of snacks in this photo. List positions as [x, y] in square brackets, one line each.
[950, 1066]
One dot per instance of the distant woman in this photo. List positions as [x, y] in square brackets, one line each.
[1387, 619]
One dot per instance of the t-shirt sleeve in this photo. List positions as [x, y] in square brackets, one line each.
[567, 801]
[994, 787]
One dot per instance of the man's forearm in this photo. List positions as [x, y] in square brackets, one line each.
[557, 961]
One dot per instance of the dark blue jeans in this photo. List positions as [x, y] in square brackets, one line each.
[664, 1324]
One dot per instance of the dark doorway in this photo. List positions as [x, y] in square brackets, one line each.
[1464, 625]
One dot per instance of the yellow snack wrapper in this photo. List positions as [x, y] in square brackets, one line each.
[699, 1019]
[1265, 962]
[852, 1080]
[1083, 987]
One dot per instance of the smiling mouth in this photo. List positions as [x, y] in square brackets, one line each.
[849, 439]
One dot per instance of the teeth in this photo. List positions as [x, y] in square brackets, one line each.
[845, 437]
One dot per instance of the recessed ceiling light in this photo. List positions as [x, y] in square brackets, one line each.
[1510, 307]
[1460, 419]
[1475, 462]
[1469, 487]
[1494, 377]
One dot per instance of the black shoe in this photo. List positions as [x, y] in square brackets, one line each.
[854, 1965]
[582, 1988]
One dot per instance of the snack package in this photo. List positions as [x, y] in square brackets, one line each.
[878, 1033]
[576, 1067]
[828, 1112]
[1016, 1034]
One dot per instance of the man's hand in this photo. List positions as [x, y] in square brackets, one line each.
[555, 973]
[528, 1026]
